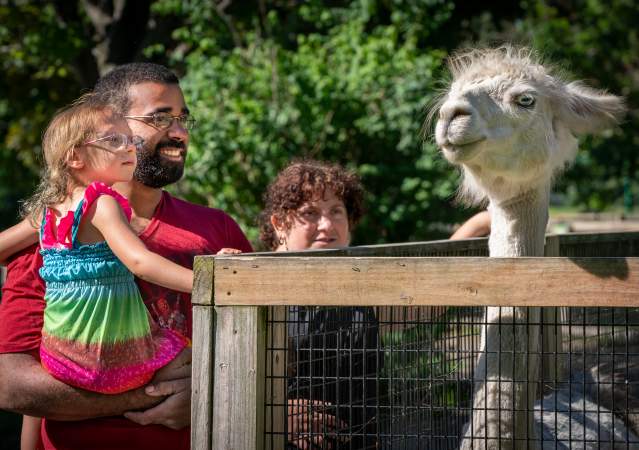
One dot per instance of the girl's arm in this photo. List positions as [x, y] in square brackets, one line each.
[17, 238]
[106, 215]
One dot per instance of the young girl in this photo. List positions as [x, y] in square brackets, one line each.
[97, 333]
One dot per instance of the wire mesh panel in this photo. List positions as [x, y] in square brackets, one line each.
[429, 357]
[599, 244]
[596, 402]
[353, 380]
[353, 376]
[406, 377]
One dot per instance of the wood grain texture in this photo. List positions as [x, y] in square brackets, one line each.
[595, 238]
[203, 270]
[202, 377]
[238, 391]
[551, 367]
[468, 247]
[453, 281]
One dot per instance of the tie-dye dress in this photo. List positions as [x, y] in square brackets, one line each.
[97, 332]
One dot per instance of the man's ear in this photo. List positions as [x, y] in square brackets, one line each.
[74, 159]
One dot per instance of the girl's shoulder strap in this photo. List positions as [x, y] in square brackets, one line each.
[96, 189]
[56, 236]
[91, 194]
[48, 237]
[64, 235]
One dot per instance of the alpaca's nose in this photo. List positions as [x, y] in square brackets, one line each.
[453, 109]
[455, 114]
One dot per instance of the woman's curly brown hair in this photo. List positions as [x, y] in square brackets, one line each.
[308, 180]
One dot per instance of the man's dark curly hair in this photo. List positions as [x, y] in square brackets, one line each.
[114, 86]
[309, 180]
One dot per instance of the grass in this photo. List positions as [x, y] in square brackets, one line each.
[420, 369]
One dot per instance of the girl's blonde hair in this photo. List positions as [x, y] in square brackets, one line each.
[69, 128]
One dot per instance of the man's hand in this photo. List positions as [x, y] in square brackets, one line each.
[174, 412]
[177, 369]
[173, 382]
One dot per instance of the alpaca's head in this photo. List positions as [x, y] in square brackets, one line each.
[510, 122]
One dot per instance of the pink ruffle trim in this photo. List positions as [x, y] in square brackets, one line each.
[62, 239]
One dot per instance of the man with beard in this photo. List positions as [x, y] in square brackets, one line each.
[157, 416]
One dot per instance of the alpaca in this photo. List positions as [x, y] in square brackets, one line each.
[509, 123]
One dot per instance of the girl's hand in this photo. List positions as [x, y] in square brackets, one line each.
[229, 251]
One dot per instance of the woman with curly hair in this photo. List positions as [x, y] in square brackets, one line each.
[332, 362]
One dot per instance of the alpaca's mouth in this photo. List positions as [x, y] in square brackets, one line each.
[460, 152]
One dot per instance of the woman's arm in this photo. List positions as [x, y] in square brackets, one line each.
[17, 238]
[107, 217]
[476, 226]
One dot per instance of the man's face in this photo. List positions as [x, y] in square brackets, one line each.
[161, 161]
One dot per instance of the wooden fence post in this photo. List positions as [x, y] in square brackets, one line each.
[238, 391]
[552, 332]
[203, 344]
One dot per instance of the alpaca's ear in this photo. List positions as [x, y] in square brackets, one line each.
[586, 110]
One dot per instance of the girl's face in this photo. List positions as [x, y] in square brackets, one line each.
[316, 224]
[107, 157]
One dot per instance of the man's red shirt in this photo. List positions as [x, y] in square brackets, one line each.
[178, 231]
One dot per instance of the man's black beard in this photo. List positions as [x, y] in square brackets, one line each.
[156, 172]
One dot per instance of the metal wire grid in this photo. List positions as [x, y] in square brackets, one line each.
[422, 376]
[402, 377]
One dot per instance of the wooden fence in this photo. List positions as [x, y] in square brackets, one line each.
[231, 294]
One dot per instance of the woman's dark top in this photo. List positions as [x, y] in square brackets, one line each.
[333, 357]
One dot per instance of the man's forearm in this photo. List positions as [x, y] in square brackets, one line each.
[26, 388]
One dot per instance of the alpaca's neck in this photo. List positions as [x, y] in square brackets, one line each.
[518, 225]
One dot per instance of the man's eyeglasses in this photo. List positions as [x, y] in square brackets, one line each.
[163, 120]
[118, 141]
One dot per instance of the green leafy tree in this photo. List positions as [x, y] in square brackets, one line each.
[354, 93]
[50, 53]
[341, 80]
[597, 41]
[35, 80]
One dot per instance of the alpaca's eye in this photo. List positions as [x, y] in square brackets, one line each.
[525, 100]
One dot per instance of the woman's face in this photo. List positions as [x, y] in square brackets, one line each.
[316, 224]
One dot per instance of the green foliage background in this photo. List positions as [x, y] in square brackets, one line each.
[347, 81]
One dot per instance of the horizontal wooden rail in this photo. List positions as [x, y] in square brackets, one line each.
[408, 281]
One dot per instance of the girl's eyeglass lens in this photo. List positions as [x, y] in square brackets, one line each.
[118, 141]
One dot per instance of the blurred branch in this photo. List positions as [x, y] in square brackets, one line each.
[85, 65]
[263, 18]
[119, 30]
[220, 9]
